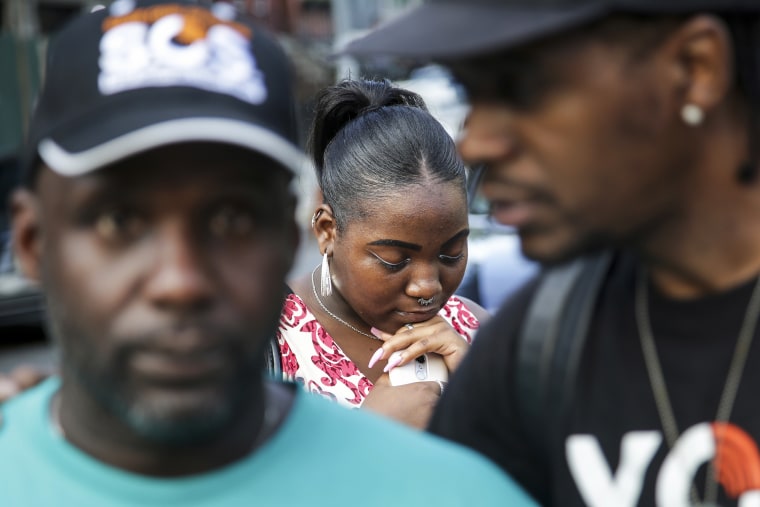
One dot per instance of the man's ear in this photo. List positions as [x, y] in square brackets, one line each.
[27, 233]
[324, 227]
[705, 57]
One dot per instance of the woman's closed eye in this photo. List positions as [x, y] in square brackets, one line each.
[392, 266]
[451, 259]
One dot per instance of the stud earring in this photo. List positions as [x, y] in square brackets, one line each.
[326, 279]
[692, 115]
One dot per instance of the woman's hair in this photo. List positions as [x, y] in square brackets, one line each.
[369, 139]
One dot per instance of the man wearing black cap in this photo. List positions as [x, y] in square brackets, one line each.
[158, 217]
[629, 127]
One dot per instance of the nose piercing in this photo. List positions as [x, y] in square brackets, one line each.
[426, 302]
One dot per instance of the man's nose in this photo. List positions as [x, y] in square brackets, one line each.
[485, 137]
[181, 275]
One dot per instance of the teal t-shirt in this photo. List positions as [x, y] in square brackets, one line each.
[323, 454]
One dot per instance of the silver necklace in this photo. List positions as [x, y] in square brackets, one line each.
[657, 380]
[331, 314]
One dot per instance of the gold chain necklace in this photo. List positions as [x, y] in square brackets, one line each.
[331, 314]
[657, 380]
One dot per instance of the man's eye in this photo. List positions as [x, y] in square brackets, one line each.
[118, 224]
[230, 221]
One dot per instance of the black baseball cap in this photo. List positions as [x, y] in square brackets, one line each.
[143, 74]
[458, 28]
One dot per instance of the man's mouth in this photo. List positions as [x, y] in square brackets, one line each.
[514, 204]
[173, 369]
[514, 213]
[181, 358]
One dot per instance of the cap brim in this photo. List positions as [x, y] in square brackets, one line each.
[451, 30]
[224, 131]
[121, 130]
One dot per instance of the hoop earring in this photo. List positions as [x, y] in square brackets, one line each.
[692, 115]
[326, 279]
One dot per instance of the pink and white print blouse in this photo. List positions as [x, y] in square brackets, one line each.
[310, 357]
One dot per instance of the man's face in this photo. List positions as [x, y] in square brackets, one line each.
[593, 155]
[163, 275]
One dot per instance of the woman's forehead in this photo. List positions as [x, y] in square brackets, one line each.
[415, 207]
[423, 194]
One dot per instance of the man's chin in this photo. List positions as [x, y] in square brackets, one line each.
[552, 249]
[180, 418]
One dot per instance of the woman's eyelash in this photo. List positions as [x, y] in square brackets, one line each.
[452, 259]
[394, 266]
[391, 265]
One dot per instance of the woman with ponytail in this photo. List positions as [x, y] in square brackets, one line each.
[392, 230]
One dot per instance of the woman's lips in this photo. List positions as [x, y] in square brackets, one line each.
[415, 317]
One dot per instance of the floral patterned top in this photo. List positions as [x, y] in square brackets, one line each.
[313, 359]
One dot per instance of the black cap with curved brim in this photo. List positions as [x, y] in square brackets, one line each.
[459, 28]
[142, 74]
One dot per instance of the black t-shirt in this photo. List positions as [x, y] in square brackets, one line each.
[612, 451]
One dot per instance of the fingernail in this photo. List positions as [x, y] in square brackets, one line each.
[376, 357]
[375, 331]
[392, 362]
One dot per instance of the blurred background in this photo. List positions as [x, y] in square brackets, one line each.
[310, 32]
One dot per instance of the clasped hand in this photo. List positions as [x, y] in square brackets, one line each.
[434, 335]
[413, 403]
